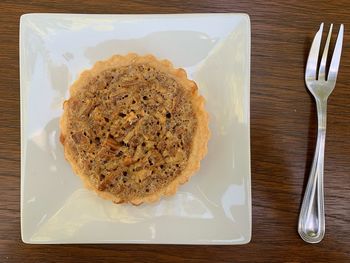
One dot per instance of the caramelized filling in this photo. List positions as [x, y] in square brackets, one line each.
[131, 130]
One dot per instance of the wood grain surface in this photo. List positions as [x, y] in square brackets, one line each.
[283, 130]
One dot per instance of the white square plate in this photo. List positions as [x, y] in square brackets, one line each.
[214, 207]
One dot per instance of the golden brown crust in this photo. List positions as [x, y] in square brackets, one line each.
[200, 138]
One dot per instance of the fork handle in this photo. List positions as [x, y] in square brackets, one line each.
[312, 218]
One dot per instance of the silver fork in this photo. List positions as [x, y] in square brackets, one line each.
[312, 219]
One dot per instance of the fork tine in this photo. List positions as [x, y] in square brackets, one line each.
[311, 64]
[333, 69]
[322, 71]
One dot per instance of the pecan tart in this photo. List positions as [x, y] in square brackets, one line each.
[134, 128]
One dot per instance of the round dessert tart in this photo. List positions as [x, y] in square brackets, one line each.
[134, 128]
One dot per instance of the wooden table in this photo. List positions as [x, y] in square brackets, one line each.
[283, 130]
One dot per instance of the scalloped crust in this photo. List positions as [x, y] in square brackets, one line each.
[200, 138]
